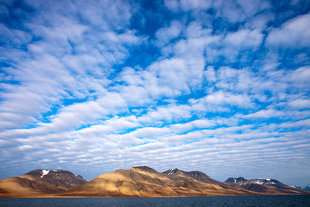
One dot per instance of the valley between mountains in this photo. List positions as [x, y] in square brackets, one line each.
[137, 182]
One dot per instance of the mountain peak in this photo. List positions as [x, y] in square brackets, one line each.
[144, 168]
[266, 181]
[44, 172]
[41, 181]
[48, 173]
[171, 171]
[260, 181]
[233, 180]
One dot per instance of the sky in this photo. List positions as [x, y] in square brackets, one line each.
[217, 86]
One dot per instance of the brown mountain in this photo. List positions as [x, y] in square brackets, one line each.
[197, 175]
[146, 182]
[136, 182]
[265, 186]
[38, 182]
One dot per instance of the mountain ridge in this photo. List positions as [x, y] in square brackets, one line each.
[40, 182]
[263, 185]
[144, 181]
[139, 181]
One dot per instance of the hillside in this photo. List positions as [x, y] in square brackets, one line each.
[38, 182]
[146, 182]
[265, 186]
[139, 181]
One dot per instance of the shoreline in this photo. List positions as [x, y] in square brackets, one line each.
[59, 196]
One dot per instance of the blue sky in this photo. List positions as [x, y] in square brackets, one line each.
[217, 86]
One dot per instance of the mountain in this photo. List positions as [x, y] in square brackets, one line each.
[197, 175]
[139, 181]
[177, 174]
[297, 187]
[38, 182]
[147, 182]
[307, 187]
[266, 186]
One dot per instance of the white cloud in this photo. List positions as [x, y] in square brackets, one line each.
[195, 30]
[301, 123]
[230, 10]
[202, 123]
[195, 4]
[172, 4]
[173, 73]
[127, 37]
[166, 114]
[93, 130]
[301, 77]
[293, 33]
[300, 103]
[151, 132]
[17, 37]
[196, 124]
[78, 114]
[221, 98]
[244, 39]
[135, 95]
[184, 5]
[164, 35]
[265, 114]
[210, 74]
[54, 70]
[119, 123]
[252, 7]
[259, 21]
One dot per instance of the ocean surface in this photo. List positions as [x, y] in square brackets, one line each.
[224, 201]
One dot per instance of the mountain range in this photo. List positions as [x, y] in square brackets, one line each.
[265, 185]
[139, 181]
[306, 188]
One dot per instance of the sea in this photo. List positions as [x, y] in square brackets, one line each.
[216, 201]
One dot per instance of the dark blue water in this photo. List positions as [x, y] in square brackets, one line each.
[253, 201]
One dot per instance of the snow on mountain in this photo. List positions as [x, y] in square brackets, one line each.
[40, 181]
[171, 171]
[307, 187]
[263, 185]
[44, 172]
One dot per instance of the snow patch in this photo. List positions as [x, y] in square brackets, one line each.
[171, 171]
[259, 182]
[44, 172]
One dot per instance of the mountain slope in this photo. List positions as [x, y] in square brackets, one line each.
[39, 181]
[177, 174]
[197, 175]
[266, 186]
[307, 188]
[146, 182]
[136, 182]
